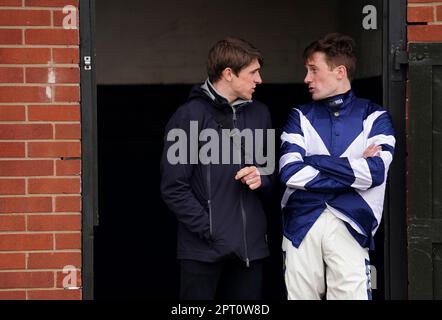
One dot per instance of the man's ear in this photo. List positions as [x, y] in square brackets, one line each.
[227, 74]
[341, 72]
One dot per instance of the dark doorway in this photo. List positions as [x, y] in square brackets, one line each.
[140, 86]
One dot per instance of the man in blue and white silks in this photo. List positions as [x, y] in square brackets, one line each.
[335, 156]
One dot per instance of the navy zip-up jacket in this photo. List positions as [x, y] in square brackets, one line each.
[218, 217]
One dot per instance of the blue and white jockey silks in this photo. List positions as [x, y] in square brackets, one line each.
[322, 166]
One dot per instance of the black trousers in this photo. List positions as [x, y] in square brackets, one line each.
[225, 280]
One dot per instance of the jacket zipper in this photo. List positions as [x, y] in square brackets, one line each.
[209, 201]
[243, 212]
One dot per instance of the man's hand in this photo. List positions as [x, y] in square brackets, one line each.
[372, 151]
[249, 176]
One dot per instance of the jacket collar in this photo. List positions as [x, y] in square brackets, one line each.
[219, 99]
[339, 102]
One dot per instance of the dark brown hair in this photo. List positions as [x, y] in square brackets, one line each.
[231, 53]
[339, 50]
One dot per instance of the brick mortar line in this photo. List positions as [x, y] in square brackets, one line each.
[51, 232]
[33, 8]
[33, 159]
[38, 177]
[26, 252]
[26, 216]
[26, 152]
[51, 289]
[37, 104]
[44, 251]
[55, 214]
[12, 178]
[48, 232]
[14, 290]
[426, 4]
[52, 17]
[52, 58]
[27, 177]
[39, 66]
[26, 108]
[73, 178]
[40, 122]
[32, 84]
[37, 140]
[43, 213]
[36, 289]
[44, 269]
[34, 270]
[53, 132]
[49, 8]
[39, 46]
[34, 233]
[44, 195]
[53, 251]
[44, 27]
[40, 84]
[63, 213]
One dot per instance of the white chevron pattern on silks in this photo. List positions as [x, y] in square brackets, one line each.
[312, 143]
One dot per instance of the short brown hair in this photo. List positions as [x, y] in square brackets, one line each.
[339, 50]
[231, 53]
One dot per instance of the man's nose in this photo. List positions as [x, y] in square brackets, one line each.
[307, 78]
[258, 79]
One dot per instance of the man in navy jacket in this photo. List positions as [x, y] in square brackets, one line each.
[215, 185]
[335, 156]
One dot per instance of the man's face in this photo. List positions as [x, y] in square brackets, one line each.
[243, 86]
[321, 79]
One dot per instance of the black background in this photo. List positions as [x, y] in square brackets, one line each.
[136, 238]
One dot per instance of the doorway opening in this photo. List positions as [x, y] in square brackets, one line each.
[146, 65]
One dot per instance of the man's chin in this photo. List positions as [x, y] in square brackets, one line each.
[317, 97]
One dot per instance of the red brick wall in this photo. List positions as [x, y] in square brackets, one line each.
[425, 21]
[40, 185]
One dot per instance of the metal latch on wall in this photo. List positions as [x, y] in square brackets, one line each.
[400, 58]
[87, 63]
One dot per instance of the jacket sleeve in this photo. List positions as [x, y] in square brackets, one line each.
[362, 173]
[294, 172]
[176, 189]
